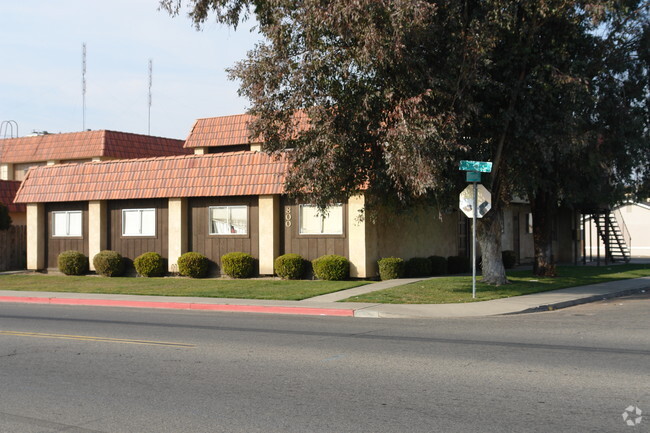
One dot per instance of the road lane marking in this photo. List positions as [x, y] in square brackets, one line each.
[91, 338]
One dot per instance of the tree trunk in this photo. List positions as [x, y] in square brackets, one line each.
[488, 232]
[543, 207]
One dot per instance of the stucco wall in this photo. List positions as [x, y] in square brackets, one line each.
[637, 220]
[417, 233]
[564, 246]
[516, 234]
[420, 233]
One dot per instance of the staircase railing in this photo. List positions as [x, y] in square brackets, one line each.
[612, 232]
[627, 238]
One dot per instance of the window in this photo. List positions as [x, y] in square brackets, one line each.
[313, 223]
[66, 223]
[138, 222]
[228, 220]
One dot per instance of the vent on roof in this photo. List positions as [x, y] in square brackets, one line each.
[36, 133]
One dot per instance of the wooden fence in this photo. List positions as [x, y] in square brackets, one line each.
[13, 248]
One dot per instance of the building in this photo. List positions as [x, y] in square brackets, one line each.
[8, 189]
[636, 217]
[18, 155]
[627, 227]
[227, 197]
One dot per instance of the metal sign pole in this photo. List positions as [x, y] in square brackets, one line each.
[474, 170]
[474, 240]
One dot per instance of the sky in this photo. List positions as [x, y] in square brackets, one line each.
[41, 74]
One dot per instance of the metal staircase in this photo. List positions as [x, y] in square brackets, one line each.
[614, 234]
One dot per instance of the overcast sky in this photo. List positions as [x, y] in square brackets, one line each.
[41, 73]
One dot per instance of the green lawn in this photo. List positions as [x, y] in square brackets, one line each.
[446, 290]
[214, 288]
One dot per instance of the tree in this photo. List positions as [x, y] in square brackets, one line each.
[397, 92]
[593, 133]
[5, 219]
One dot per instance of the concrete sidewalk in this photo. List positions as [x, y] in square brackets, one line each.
[323, 306]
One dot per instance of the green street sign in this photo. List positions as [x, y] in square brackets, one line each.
[473, 176]
[481, 166]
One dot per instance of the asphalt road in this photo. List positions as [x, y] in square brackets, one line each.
[78, 369]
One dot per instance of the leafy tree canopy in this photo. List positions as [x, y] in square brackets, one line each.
[398, 91]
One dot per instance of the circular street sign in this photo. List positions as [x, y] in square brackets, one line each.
[484, 201]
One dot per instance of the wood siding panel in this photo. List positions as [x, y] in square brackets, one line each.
[13, 248]
[309, 247]
[215, 246]
[56, 245]
[132, 246]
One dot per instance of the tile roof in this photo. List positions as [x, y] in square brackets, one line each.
[220, 131]
[88, 144]
[225, 174]
[226, 130]
[8, 190]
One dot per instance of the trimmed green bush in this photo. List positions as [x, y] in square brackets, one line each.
[509, 259]
[108, 263]
[149, 265]
[391, 268]
[438, 265]
[458, 264]
[418, 267]
[72, 263]
[331, 267]
[289, 266]
[193, 265]
[237, 265]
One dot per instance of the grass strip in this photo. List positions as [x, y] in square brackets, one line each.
[293, 290]
[458, 289]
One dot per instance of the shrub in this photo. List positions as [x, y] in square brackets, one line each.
[193, 265]
[509, 259]
[391, 268]
[438, 265]
[458, 264]
[418, 267]
[5, 219]
[237, 265]
[108, 263]
[149, 265]
[72, 263]
[289, 266]
[331, 267]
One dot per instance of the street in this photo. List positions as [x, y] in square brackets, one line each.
[84, 369]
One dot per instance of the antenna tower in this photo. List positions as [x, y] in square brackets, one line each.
[150, 82]
[83, 85]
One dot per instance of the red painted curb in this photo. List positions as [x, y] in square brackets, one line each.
[309, 311]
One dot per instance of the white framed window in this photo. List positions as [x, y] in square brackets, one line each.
[139, 222]
[314, 223]
[67, 223]
[228, 220]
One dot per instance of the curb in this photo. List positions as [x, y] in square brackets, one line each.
[305, 311]
[574, 302]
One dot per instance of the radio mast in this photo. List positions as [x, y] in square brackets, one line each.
[150, 82]
[83, 85]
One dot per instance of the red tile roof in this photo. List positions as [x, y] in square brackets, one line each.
[220, 131]
[225, 174]
[227, 130]
[85, 145]
[8, 190]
